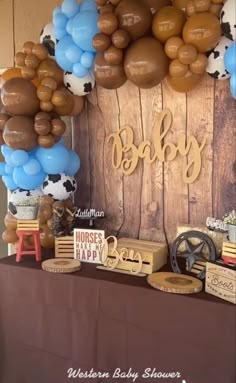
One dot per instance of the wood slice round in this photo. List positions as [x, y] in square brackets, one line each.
[175, 283]
[62, 265]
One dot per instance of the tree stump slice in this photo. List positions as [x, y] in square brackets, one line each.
[175, 283]
[62, 265]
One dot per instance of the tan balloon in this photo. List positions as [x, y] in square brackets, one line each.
[180, 4]
[10, 221]
[46, 199]
[58, 127]
[19, 133]
[187, 54]
[40, 51]
[172, 45]
[155, 5]
[68, 203]
[32, 61]
[46, 106]
[101, 42]
[46, 141]
[186, 83]
[20, 59]
[168, 22]
[203, 31]
[64, 100]
[44, 93]
[108, 8]
[216, 9]
[43, 116]
[42, 127]
[19, 97]
[113, 55]
[107, 23]
[193, 6]
[47, 238]
[49, 82]
[200, 64]
[28, 73]
[108, 76]
[49, 68]
[9, 236]
[135, 17]
[120, 39]
[78, 105]
[177, 69]
[146, 63]
[27, 47]
[44, 213]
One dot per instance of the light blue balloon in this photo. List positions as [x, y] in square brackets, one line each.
[69, 26]
[6, 150]
[88, 5]
[2, 169]
[9, 183]
[230, 58]
[59, 33]
[53, 160]
[60, 20]
[73, 164]
[70, 8]
[23, 181]
[19, 157]
[8, 160]
[60, 56]
[56, 11]
[9, 169]
[32, 167]
[232, 81]
[73, 53]
[87, 60]
[79, 70]
[84, 28]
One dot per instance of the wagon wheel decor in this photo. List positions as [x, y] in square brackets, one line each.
[196, 248]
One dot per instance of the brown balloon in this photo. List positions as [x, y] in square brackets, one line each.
[101, 42]
[43, 116]
[58, 127]
[172, 46]
[63, 95]
[68, 203]
[49, 68]
[50, 223]
[46, 199]
[186, 83]
[47, 238]
[168, 22]
[46, 106]
[203, 31]
[187, 54]
[19, 97]
[108, 76]
[19, 133]
[28, 73]
[42, 127]
[216, 9]
[115, 2]
[49, 82]
[180, 4]
[10, 221]
[135, 17]
[32, 61]
[100, 2]
[9, 236]
[78, 106]
[40, 51]
[44, 213]
[1, 138]
[113, 55]
[44, 93]
[155, 5]
[120, 39]
[20, 59]
[108, 8]
[59, 98]
[146, 63]
[46, 141]
[200, 64]
[27, 47]
[3, 119]
[177, 68]
[107, 23]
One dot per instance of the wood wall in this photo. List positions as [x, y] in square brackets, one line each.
[150, 203]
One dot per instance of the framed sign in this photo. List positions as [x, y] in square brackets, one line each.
[88, 245]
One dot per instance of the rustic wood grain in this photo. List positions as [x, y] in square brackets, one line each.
[224, 160]
[152, 217]
[113, 185]
[200, 112]
[129, 106]
[175, 190]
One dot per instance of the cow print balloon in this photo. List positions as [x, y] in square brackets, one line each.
[59, 186]
[216, 67]
[228, 19]
[79, 86]
[48, 40]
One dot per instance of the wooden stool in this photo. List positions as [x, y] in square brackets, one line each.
[26, 228]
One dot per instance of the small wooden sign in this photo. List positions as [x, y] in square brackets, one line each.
[221, 281]
[88, 245]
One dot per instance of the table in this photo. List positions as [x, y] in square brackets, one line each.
[50, 323]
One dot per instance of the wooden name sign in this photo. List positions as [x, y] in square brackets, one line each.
[132, 256]
[221, 281]
[88, 245]
[125, 155]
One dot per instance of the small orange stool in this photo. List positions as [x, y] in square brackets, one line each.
[27, 228]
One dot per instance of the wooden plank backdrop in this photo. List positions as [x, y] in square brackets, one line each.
[151, 202]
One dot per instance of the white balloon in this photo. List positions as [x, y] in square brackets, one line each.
[48, 40]
[59, 186]
[79, 86]
[228, 19]
[216, 66]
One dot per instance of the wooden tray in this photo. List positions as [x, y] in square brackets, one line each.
[175, 283]
[62, 265]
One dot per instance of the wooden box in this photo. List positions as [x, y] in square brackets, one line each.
[221, 281]
[64, 247]
[229, 252]
[153, 254]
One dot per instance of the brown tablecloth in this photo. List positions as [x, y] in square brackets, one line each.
[104, 321]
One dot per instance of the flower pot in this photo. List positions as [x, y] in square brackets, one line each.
[26, 212]
[232, 233]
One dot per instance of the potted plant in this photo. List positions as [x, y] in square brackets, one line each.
[230, 220]
[27, 208]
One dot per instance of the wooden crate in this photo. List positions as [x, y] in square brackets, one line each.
[64, 247]
[221, 281]
[229, 252]
[154, 255]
